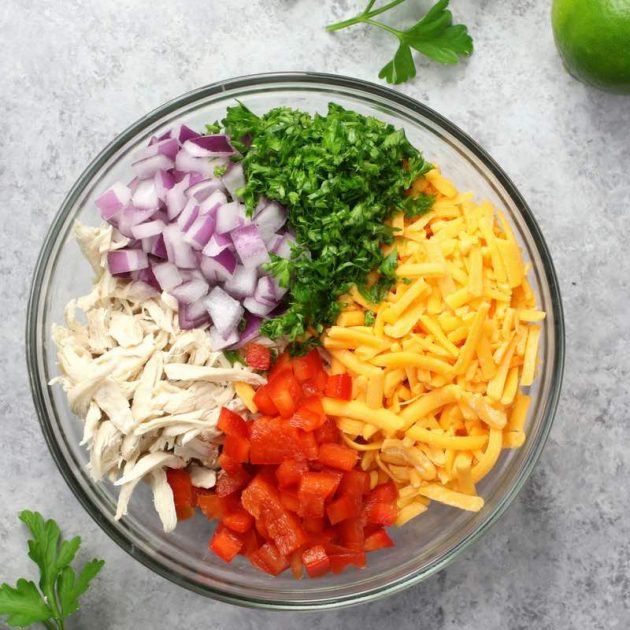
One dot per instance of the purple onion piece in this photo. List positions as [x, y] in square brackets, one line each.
[251, 330]
[217, 145]
[191, 291]
[122, 261]
[224, 310]
[167, 275]
[115, 198]
[249, 246]
[242, 283]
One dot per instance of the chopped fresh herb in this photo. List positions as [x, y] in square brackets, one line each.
[370, 318]
[219, 171]
[59, 587]
[435, 36]
[341, 176]
[212, 128]
[300, 348]
[233, 356]
[417, 205]
[242, 325]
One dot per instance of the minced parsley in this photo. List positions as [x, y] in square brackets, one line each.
[341, 176]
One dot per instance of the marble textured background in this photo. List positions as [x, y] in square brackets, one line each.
[75, 73]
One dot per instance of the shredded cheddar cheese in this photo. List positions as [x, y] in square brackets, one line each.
[438, 375]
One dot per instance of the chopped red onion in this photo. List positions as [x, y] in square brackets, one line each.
[177, 250]
[265, 292]
[145, 195]
[167, 275]
[149, 166]
[152, 228]
[249, 245]
[192, 315]
[115, 198]
[242, 283]
[281, 244]
[251, 330]
[217, 145]
[229, 217]
[269, 220]
[218, 342]
[188, 215]
[216, 244]
[224, 310]
[181, 133]
[216, 199]
[164, 181]
[186, 162]
[234, 179]
[203, 189]
[176, 198]
[191, 291]
[222, 265]
[148, 243]
[148, 277]
[199, 233]
[256, 308]
[159, 248]
[167, 147]
[125, 260]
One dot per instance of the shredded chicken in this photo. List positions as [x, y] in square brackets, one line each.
[149, 393]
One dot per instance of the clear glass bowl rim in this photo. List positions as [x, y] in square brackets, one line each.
[287, 80]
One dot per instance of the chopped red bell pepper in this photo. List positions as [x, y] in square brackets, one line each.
[342, 508]
[378, 539]
[328, 432]
[314, 525]
[337, 456]
[383, 493]
[307, 367]
[258, 494]
[236, 448]
[232, 424]
[228, 484]
[272, 441]
[230, 466]
[269, 559]
[282, 363]
[319, 483]
[339, 561]
[181, 485]
[225, 543]
[309, 444]
[316, 561]
[296, 564]
[381, 513]
[257, 356]
[290, 472]
[339, 386]
[351, 534]
[263, 401]
[215, 507]
[355, 483]
[290, 500]
[309, 415]
[284, 529]
[285, 393]
[251, 542]
[238, 521]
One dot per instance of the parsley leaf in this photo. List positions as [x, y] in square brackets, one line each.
[369, 318]
[435, 36]
[340, 175]
[233, 356]
[59, 591]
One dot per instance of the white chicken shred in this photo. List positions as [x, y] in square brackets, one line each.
[149, 393]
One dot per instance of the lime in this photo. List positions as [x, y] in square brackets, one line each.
[593, 38]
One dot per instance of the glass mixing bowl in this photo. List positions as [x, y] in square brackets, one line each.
[425, 545]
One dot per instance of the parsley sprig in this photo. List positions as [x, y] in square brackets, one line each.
[59, 586]
[434, 36]
[341, 176]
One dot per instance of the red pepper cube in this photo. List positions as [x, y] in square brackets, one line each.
[355, 483]
[308, 366]
[181, 485]
[282, 363]
[251, 542]
[316, 561]
[285, 393]
[227, 464]
[308, 444]
[225, 543]
[309, 415]
[378, 539]
[381, 513]
[273, 441]
[383, 493]
[290, 501]
[320, 483]
[314, 525]
[351, 534]
[289, 472]
[328, 432]
[257, 356]
[296, 564]
[338, 456]
[232, 424]
[339, 386]
[236, 448]
[343, 508]
[238, 521]
[229, 484]
[338, 562]
[269, 559]
[263, 401]
[284, 529]
[258, 494]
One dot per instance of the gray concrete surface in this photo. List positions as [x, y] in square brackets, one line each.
[75, 73]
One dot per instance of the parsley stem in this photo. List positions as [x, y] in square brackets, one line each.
[389, 29]
[364, 16]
